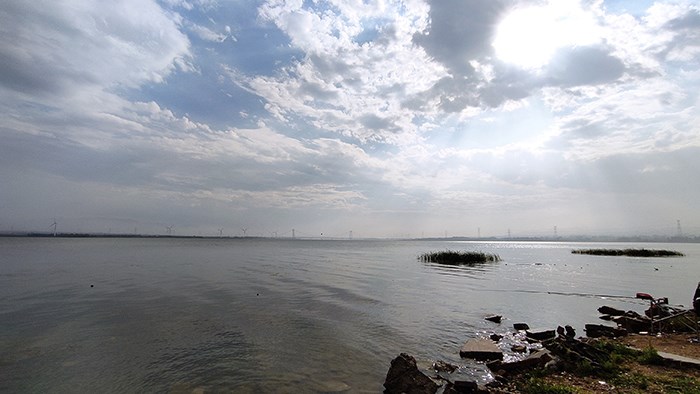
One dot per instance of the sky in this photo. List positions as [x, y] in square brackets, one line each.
[387, 118]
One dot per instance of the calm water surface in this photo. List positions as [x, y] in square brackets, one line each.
[252, 315]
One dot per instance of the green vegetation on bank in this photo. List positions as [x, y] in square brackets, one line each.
[629, 252]
[621, 367]
[451, 257]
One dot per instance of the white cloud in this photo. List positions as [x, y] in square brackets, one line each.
[390, 107]
[63, 46]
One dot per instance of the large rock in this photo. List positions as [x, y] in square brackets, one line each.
[633, 323]
[534, 360]
[599, 330]
[608, 310]
[404, 377]
[481, 349]
[540, 334]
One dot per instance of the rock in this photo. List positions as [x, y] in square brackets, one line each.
[481, 349]
[404, 377]
[608, 310]
[573, 352]
[496, 337]
[534, 360]
[464, 386]
[599, 330]
[519, 348]
[633, 324]
[521, 326]
[570, 332]
[442, 366]
[494, 318]
[540, 334]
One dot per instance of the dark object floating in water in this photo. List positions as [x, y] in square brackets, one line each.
[451, 257]
[494, 318]
[629, 252]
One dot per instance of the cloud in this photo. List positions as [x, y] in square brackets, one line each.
[51, 48]
[460, 31]
[343, 112]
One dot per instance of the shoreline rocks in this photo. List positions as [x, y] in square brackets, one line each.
[481, 349]
[525, 349]
[404, 377]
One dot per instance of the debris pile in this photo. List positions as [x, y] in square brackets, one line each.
[511, 353]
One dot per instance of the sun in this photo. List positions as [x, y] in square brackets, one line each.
[529, 37]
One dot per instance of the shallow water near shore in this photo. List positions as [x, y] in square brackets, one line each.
[283, 315]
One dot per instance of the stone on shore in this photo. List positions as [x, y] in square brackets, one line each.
[633, 323]
[540, 334]
[466, 386]
[608, 310]
[599, 330]
[481, 349]
[535, 359]
[442, 366]
[404, 377]
[521, 326]
[570, 332]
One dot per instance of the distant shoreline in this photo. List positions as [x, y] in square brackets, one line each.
[582, 238]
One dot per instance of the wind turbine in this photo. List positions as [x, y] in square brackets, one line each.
[221, 232]
[244, 231]
[54, 225]
[169, 229]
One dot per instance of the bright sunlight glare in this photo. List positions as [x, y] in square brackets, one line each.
[529, 37]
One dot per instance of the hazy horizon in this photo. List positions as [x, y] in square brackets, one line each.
[426, 118]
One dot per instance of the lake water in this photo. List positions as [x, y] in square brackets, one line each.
[281, 315]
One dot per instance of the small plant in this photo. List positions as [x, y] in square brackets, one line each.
[629, 252]
[649, 356]
[541, 386]
[616, 350]
[451, 257]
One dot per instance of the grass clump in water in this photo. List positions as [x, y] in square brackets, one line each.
[629, 252]
[451, 257]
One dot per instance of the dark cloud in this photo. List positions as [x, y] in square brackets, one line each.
[584, 66]
[686, 31]
[689, 21]
[461, 31]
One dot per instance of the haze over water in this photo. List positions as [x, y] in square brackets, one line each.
[282, 315]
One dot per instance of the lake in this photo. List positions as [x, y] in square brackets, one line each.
[287, 315]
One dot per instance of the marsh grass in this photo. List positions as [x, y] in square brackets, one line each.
[451, 257]
[536, 385]
[629, 252]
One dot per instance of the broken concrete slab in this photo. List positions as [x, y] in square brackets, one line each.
[535, 359]
[521, 326]
[599, 330]
[540, 334]
[481, 349]
[608, 310]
